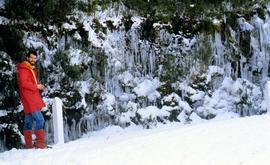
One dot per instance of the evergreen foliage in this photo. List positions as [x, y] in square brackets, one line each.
[46, 11]
[190, 16]
[11, 41]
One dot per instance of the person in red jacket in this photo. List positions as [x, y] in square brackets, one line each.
[30, 88]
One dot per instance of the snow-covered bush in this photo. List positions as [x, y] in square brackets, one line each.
[235, 98]
[149, 116]
[128, 116]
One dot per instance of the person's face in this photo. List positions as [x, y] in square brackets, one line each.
[32, 59]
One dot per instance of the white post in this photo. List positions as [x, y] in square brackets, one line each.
[267, 96]
[58, 127]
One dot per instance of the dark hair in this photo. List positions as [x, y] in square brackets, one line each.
[31, 52]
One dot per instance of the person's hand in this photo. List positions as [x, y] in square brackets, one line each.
[40, 86]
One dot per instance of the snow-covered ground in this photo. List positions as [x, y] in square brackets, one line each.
[241, 141]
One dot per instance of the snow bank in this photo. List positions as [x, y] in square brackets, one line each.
[234, 142]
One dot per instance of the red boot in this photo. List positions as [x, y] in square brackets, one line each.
[40, 140]
[28, 139]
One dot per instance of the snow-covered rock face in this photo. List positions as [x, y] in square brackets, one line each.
[142, 71]
[110, 67]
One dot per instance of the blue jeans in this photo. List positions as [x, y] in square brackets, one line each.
[31, 117]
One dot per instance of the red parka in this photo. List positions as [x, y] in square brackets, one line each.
[30, 95]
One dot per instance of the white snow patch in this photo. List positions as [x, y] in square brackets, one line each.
[214, 70]
[2, 4]
[148, 88]
[77, 57]
[69, 27]
[126, 78]
[3, 113]
[151, 112]
[216, 21]
[234, 142]
[77, 36]
[244, 25]
[198, 96]
[92, 36]
[137, 21]
[109, 101]
[32, 40]
[3, 20]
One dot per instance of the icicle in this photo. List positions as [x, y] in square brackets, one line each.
[66, 132]
[73, 130]
[219, 50]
